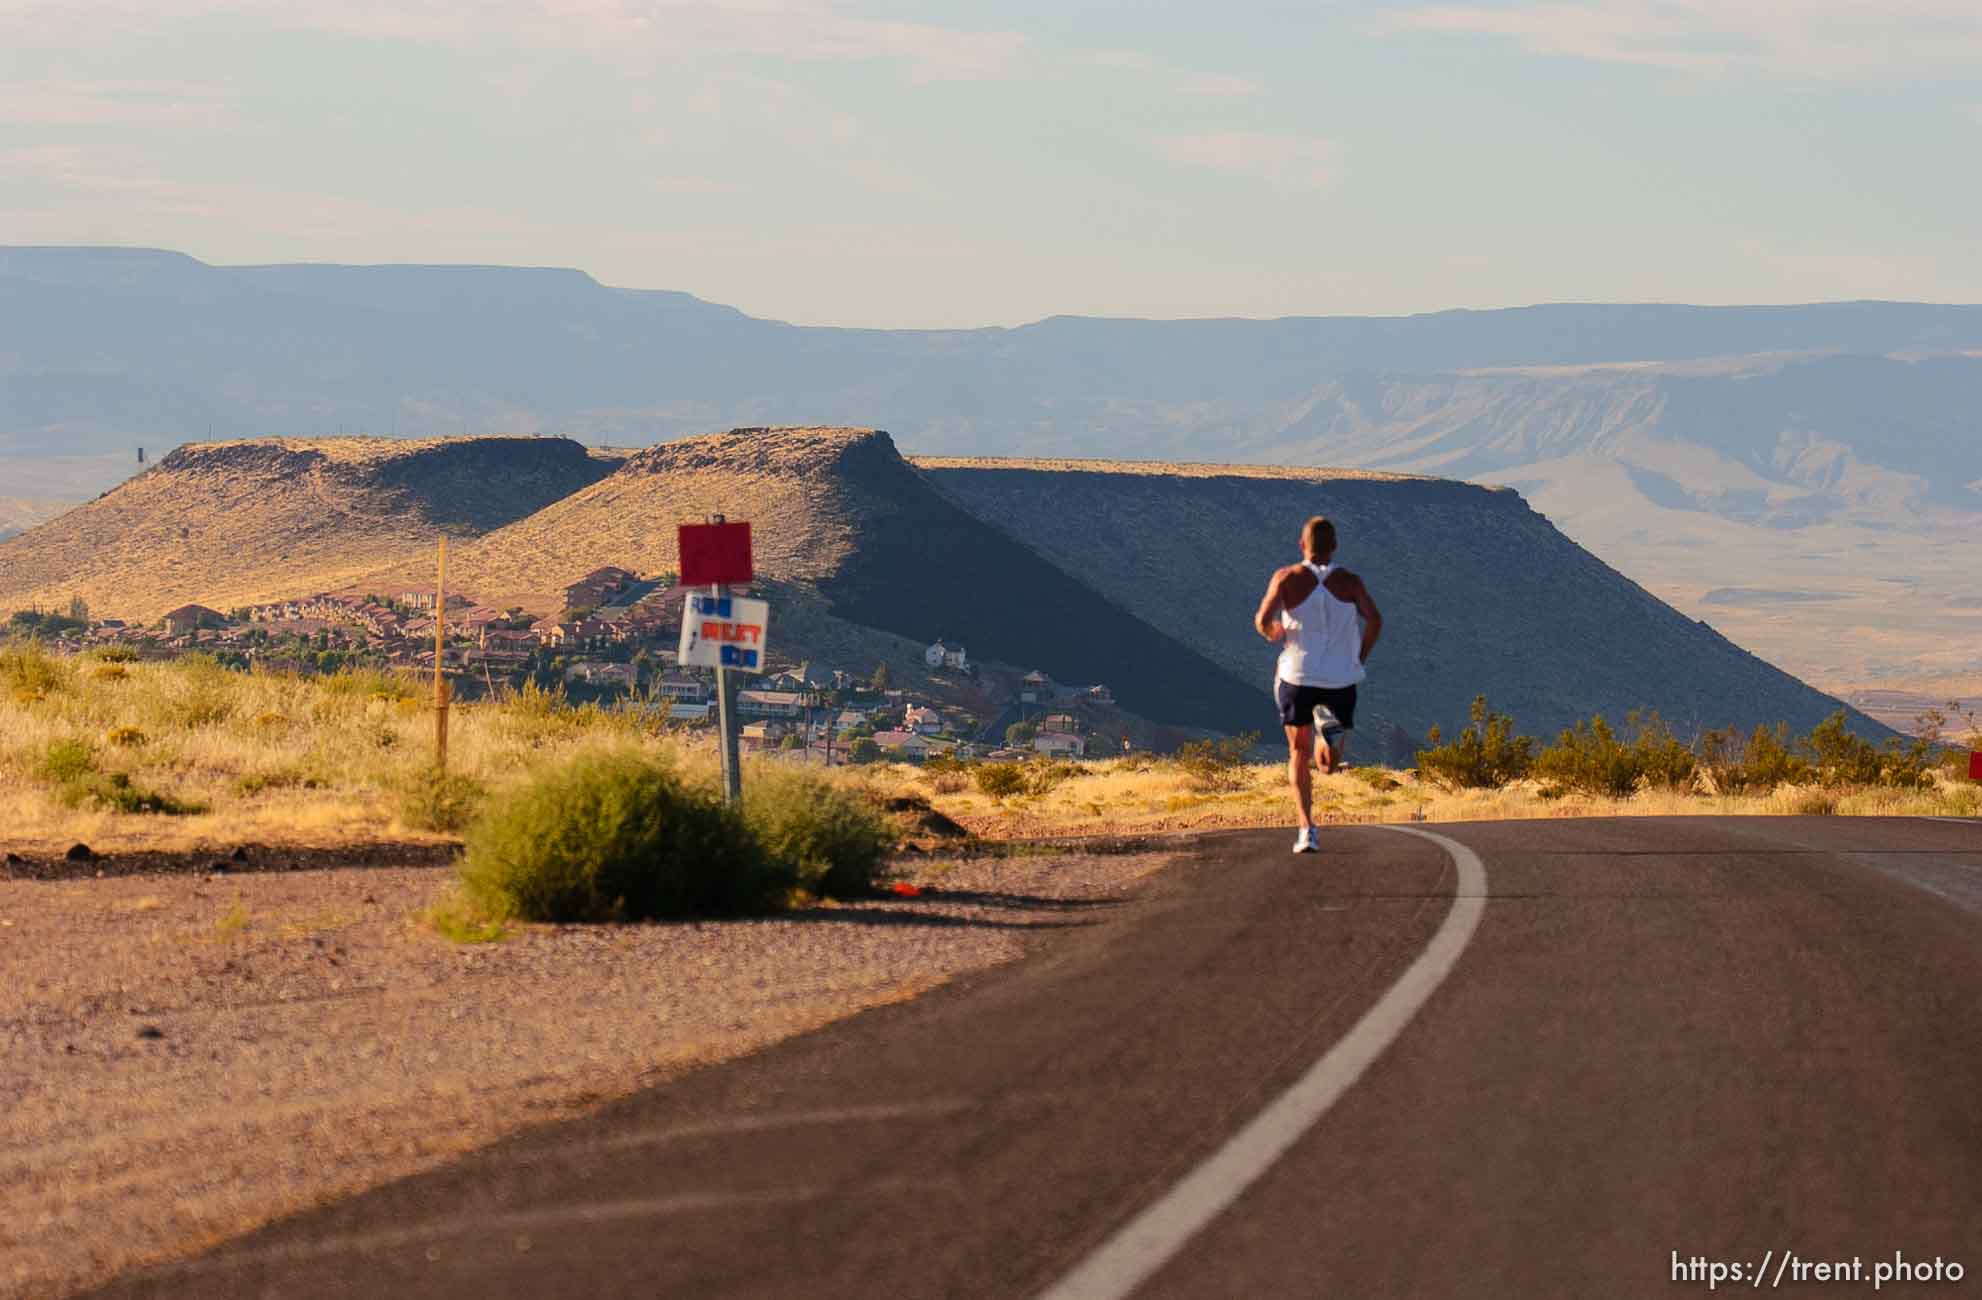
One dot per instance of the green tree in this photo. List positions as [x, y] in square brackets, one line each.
[882, 678]
[1020, 734]
[864, 750]
[79, 609]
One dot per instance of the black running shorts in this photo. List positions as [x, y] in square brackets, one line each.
[1297, 704]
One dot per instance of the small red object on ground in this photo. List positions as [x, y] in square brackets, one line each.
[906, 890]
[714, 553]
[1975, 764]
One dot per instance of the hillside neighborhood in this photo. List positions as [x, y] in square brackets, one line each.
[613, 642]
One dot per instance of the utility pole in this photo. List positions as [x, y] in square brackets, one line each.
[440, 657]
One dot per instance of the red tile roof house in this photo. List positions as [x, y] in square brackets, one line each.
[188, 619]
[905, 743]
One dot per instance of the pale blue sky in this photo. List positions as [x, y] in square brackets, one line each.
[878, 162]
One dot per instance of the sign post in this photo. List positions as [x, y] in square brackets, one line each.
[718, 630]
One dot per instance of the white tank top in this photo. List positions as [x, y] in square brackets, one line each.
[1324, 643]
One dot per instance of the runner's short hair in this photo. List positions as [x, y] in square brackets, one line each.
[1318, 536]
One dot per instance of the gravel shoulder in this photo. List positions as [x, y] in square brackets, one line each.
[185, 1056]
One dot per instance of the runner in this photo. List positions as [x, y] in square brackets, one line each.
[1313, 610]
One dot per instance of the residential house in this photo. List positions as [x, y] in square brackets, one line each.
[1035, 688]
[188, 619]
[923, 720]
[770, 704]
[688, 690]
[1059, 744]
[687, 711]
[904, 744]
[942, 655]
[595, 673]
[598, 587]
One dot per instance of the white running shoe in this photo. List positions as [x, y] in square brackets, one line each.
[1305, 841]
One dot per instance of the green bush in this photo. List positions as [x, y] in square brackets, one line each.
[29, 670]
[1486, 756]
[369, 683]
[1216, 764]
[1759, 764]
[1842, 757]
[436, 800]
[1001, 780]
[610, 836]
[114, 790]
[71, 766]
[67, 760]
[829, 839]
[1589, 757]
[1043, 777]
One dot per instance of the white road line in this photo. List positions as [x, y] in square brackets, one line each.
[1148, 1241]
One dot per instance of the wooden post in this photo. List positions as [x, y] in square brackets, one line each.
[726, 723]
[440, 657]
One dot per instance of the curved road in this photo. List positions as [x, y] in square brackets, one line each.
[1719, 1038]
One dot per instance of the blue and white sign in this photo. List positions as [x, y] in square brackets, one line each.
[724, 632]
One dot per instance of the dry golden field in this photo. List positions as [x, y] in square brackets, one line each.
[279, 760]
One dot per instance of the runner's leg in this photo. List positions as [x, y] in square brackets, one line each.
[1300, 750]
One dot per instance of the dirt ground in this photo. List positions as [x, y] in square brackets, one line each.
[185, 1055]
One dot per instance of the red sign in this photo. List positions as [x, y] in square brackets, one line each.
[714, 553]
[1975, 764]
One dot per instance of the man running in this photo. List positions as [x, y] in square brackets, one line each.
[1314, 609]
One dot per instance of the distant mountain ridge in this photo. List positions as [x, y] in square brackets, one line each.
[1832, 450]
[1138, 576]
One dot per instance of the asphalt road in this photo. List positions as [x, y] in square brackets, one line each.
[1723, 1038]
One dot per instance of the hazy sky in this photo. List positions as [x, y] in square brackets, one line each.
[949, 163]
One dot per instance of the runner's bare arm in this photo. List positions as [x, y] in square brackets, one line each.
[1267, 621]
[1372, 618]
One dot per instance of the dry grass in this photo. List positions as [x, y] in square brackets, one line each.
[1134, 796]
[283, 760]
[276, 759]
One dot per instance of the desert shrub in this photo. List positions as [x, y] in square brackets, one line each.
[1045, 777]
[1761, 762]
[30, 671]
[1375, 778]
[614, 835]
[115, 790]
[1590, 758]
[70, 765]
[830, 839]
[369, 684]
[126, 738]
[203, 693]
[946, 775]
[115, 654]
[109, 672]
[460, 919]
[1807, 802]
[1216, 764]
[436, 800]
[1001, 780]
[66, 760]
[1842, 757]
[1486, 756]
[278, 778]
[1908, 763]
